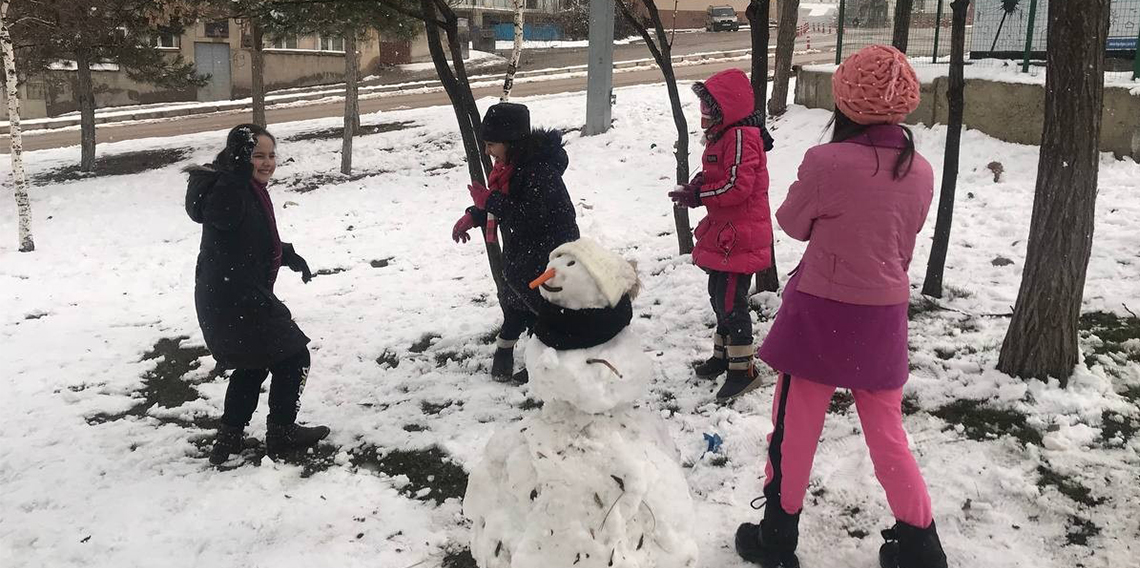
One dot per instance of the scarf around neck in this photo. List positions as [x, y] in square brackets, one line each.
[564, 329]
[500, 178]
[261, 190]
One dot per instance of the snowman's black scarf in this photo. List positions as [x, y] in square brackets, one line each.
[564, 329]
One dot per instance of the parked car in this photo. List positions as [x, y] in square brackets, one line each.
[719, 18]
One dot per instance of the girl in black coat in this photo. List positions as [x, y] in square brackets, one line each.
[246, 327]
[529, 202]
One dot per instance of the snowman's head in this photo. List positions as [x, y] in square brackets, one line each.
[582, 275]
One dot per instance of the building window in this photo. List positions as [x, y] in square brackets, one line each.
[285, 42]
[219, 29]
[332, 43]
[166, 41]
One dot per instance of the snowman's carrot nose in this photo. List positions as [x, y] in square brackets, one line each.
[542, 279]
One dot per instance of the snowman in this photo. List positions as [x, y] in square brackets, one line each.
[590, 481]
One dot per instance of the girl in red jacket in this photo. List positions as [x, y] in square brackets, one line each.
[734, 240]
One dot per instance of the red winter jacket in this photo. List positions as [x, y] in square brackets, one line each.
[736, 235]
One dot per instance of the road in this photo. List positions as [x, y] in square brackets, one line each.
[45, 139]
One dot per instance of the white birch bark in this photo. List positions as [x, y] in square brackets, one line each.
[516, 53]
[19, 177]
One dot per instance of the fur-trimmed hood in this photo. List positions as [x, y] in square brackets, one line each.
[542, 146]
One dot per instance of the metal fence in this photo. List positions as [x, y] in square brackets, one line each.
[998, 32]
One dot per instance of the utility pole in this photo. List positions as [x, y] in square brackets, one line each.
[600, 71]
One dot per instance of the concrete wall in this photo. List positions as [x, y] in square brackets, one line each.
[1013, 112]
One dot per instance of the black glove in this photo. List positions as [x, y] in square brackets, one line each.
[240, 145]
[295, 262]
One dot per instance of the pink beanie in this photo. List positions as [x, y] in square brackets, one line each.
[876, 85]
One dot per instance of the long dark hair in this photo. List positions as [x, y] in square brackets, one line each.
[239, 145]
[843, 129]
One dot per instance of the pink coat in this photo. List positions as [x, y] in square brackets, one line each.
[860, 222]
[736, 235]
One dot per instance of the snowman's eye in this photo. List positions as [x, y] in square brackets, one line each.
[571, 263]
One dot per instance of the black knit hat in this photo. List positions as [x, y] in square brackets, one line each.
[506, 122]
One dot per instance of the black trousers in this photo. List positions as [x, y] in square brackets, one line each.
[515, 322]
[285, 389]
[728, 293]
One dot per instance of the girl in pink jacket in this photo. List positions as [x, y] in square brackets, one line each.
[859, 202]
[735, 239]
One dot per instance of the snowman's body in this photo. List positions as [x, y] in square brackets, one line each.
[590, 481]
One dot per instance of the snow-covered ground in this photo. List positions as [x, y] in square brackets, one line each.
[401, 320]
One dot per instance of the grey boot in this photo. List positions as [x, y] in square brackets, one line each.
[716, 365]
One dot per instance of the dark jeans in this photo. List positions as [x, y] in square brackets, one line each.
[728, 293]
[285, 389]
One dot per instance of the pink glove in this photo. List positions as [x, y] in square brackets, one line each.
[459, 232]
[686, 196]
[479, 195]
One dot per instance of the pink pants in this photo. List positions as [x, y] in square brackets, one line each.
[798, 413]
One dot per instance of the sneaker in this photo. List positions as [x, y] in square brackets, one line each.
[229, 441]
[738, 383]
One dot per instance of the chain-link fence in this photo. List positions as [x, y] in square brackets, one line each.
[998, 32]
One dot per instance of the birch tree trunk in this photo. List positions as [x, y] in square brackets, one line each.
[257, 72]
[785, 46]
[1043, 334]
[516, 53]
[19, 177]
[351, 114]
[85, 94]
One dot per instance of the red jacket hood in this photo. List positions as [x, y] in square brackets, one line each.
[733, 93]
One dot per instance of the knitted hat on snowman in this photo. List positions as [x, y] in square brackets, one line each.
[614, 275]
[577, 318]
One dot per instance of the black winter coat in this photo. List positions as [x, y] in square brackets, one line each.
[244, 324]
[536, 217]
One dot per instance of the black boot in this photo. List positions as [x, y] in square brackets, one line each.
[716, 365]
[228, 441]
[285, 439]
[908, 546]
[772, 543]
[737, 383]
[503, 366]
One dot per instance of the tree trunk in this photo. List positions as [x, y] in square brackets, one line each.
[936, 266]
[351, 115]
[19, 177]
[785, 46]
[516, 53]
[467, 128]
[257, 72]
[1042, 337]
[467, 99]
[662, 53]
[757, 13]
[901, 34]
[85, 93]
[767, 280]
